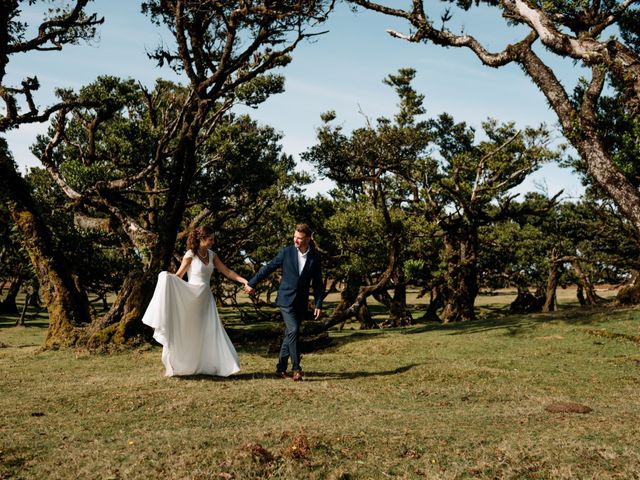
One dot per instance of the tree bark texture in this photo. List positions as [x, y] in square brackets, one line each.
[399, 315]
[585, 287]
[579, 126]
[8, 304]
[461, 287]
[526, 302]
[435, 304]
[363, 292]
[68, 307]
[348, 296]
[122, 325]
[552, 284]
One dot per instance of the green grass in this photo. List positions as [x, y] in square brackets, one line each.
[429, 401]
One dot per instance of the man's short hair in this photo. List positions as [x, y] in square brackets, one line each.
[304, 228]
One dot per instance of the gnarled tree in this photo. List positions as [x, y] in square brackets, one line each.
[573, 31]
[67, 305]
[435, 170]
[225, 50]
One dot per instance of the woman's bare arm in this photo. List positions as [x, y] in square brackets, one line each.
[186, 261]
[227, 272]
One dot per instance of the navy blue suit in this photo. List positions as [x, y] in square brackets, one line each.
[293, 295]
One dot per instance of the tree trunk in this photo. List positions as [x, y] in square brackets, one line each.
[363, 315]
[385, 299]
[552, 284]
[399, 315]
[630, 293]
[458, 305]
[461, 288]
[525, 302]
[435, 304]
[122, 325]
[347, 298]
[611, 179]
[578, 123]
[9, 305]
[588, 292]
[68, 307]
[23, 314]
[579, 127]
[580, 294]
[364, 292]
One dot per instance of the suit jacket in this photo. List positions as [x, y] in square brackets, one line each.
[292, 284]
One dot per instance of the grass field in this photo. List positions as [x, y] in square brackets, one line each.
[430, 401]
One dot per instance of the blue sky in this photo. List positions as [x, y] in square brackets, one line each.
[341, 70]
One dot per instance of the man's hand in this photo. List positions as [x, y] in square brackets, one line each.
[316, 313]
[247, 289]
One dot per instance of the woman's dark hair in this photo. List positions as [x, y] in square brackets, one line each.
[193, 242]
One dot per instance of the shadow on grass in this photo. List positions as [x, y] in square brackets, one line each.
[257, 337]
[349, 336]
[261, 340]
[309, 376]
[322, 376]
[517, 324]
[8, 320]
[266, 341]
[13, 459]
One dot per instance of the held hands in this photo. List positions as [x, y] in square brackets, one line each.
[247, 289]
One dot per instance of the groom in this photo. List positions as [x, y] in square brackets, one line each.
[300, 264]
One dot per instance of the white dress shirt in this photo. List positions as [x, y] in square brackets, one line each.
[302, 259]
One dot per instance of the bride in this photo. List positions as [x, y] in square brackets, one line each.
[185, 317]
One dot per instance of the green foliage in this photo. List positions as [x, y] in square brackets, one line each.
[249, 186]
[97, 258]
[423, 247]
[358, 232]
[241, 173]
[431, 183]
[603, 238]
[256, 91]
[14, 261]
[411, 103]
[518, 251]
[630, 28]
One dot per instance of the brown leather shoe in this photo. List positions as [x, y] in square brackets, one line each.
[297, 375]
[284, 375]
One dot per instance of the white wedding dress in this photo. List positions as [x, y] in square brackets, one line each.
[187, 324]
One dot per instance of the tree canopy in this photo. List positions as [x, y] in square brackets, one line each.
[574, 32]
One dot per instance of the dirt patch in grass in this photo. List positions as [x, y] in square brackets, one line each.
[567, 407]
[615, 336]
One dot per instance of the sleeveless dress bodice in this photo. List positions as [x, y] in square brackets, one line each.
[198, 273]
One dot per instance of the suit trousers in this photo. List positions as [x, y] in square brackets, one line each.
[292, 317]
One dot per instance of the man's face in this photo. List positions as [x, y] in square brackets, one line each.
[301, 241]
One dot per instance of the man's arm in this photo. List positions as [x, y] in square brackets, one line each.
[267, 269]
